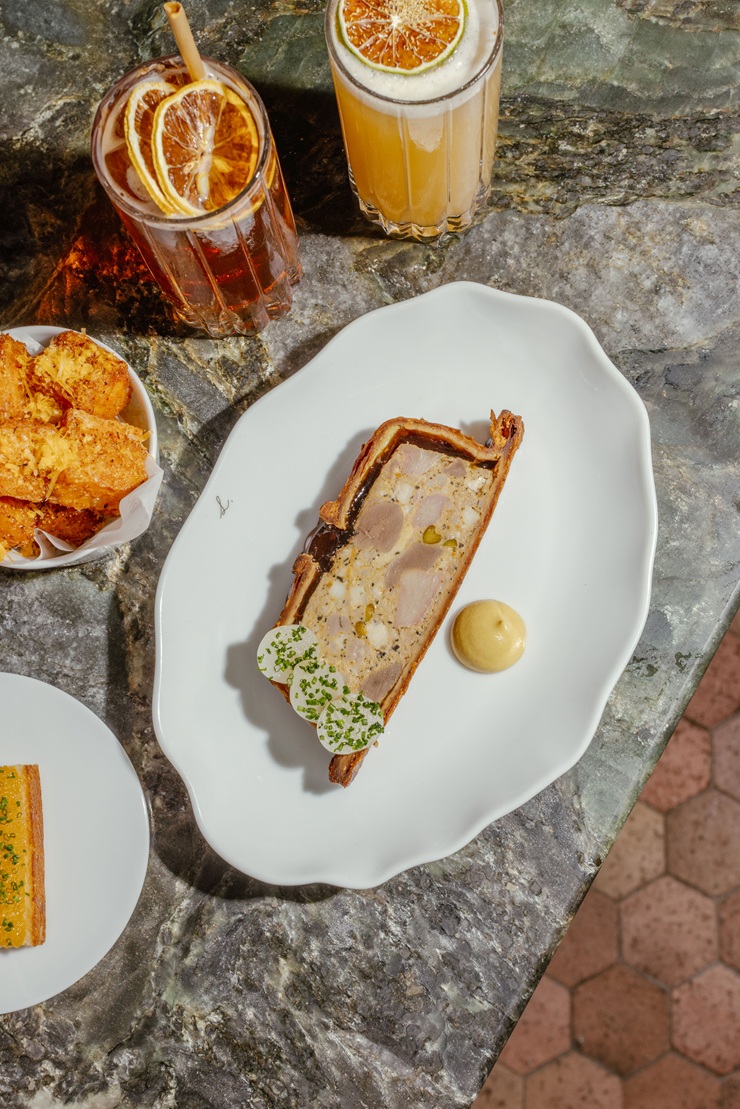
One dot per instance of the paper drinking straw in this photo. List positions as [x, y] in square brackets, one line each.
[185, 41]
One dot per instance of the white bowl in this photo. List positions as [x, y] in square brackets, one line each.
[136, 508]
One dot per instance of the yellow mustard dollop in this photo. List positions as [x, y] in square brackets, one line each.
[488, 636]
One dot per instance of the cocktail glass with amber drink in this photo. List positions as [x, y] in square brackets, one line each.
[417, 85]
[191, 168]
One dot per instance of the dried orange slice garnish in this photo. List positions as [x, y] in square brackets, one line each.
[205, 147]
[143, 100]
[402, 36]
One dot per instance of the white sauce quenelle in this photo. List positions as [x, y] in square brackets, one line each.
[488, 636]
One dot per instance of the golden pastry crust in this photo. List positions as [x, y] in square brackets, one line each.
[337, 530]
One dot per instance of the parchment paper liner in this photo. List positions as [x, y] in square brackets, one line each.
[136, 508]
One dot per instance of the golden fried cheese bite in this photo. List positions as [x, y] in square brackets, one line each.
[14, 361]
[85, 463]
[25, 458]
[72, 525]
[80, 374]
[103, 460]
[18, 520]
[18, 398]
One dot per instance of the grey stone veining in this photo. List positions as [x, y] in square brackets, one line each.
[616, 194]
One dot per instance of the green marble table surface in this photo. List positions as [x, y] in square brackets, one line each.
[616, 193]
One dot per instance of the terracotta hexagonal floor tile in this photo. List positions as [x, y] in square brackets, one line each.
[637, 856]
[729, 930]
[702, 840]
[718, 695]
[621, 1019]
[706, 1019]
[669, 930]
[573, 1082]
[684, 769]
[503, 1090]
[543, 1031]
[726, 747]
[672, 1083]
[591, 943]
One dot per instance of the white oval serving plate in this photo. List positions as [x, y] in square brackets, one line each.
[570, 546]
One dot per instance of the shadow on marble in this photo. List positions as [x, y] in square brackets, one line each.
[181, 848]
[303, 351]
[289, 741]
[212, 435]
[42, 193]
[102, 281]
[308, 137]
[176, 837]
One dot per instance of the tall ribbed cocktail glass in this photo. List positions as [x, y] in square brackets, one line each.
[420, 142]
[225, 271]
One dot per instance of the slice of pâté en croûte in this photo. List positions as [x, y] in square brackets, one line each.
[380, 572]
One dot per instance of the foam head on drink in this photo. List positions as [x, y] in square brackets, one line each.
[419, 134]
[192, 170]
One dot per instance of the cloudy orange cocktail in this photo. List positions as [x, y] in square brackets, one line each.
[417, 85]
[192, 170]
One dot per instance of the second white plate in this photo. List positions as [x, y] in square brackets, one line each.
[570, 547]
[96, 836]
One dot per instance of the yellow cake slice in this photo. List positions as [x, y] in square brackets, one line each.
[22, 896]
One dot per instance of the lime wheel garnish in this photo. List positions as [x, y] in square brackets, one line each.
[402, 36]
[205, 147]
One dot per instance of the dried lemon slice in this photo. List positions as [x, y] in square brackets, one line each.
[402, 36]
[205, 147]
[138, 122]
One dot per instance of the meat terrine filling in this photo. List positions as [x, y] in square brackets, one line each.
[385, 586]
